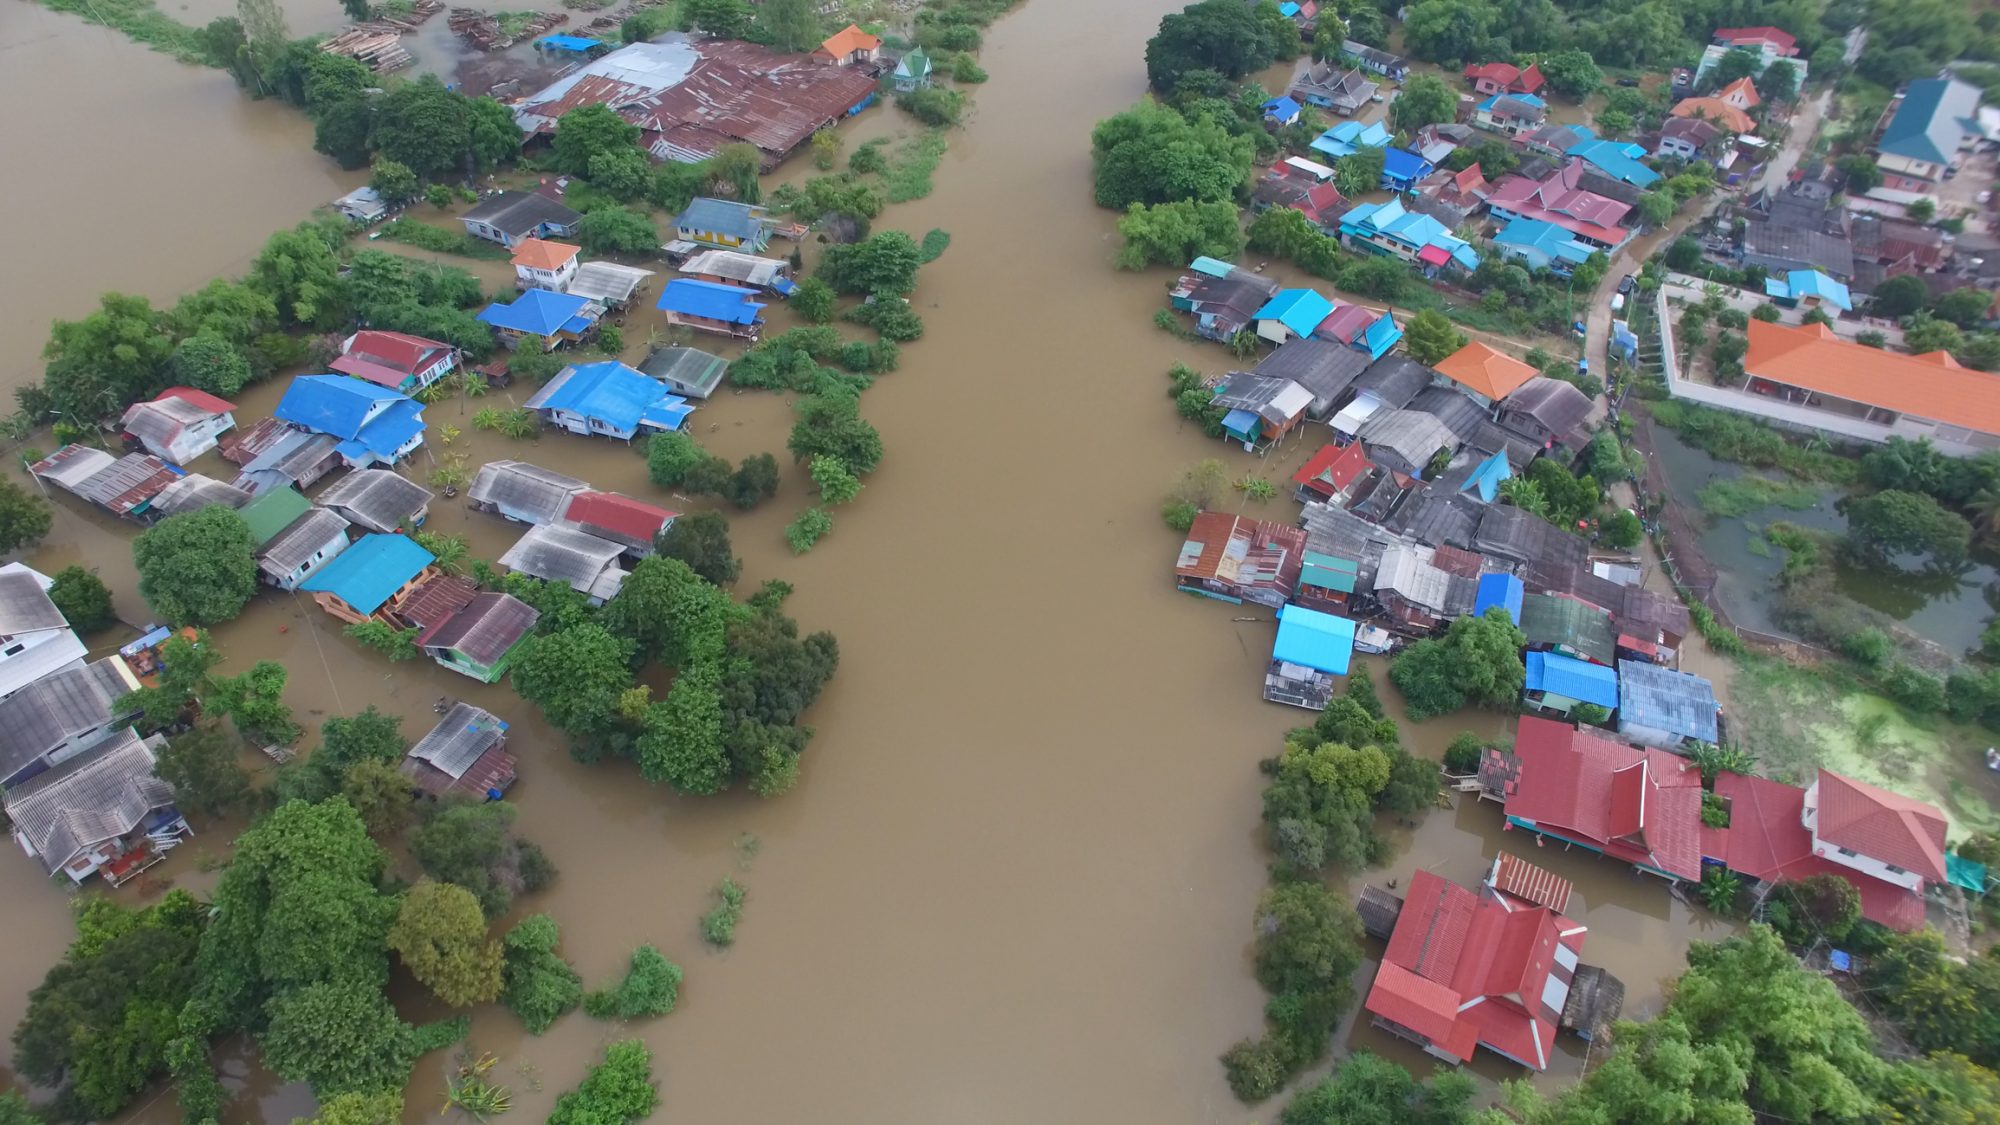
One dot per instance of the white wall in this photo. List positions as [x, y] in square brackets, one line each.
[1867, 865]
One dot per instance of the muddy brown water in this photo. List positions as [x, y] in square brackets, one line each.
[1015, 881]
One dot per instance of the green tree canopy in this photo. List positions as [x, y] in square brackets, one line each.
[1430, 336]
[540, 986]
[107, 360]
[1226, 37]
[24, 517]
[1886, 524]
[617, 230]
[832, 426]
[1424, 100]
[620, 1089]
[884, 264]
[440, 935]
[583, 134]
[1476, 661]
[575, 676]
[1572, 73]
[1175, 233]
[424, 126]
[197, 568]
[701, 540]
[1151, 154]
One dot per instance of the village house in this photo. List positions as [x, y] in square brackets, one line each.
[1923, 131]
[607, 283]
[1401, 169]
[1485, 373]
[432, 601]
[1511, 115]
[1556, 683]
[180, 425]
[373, 425]
[1320, 202]
[277, 455]
[1368, 333]
[1223, 299]
[1665, 708]
[850, 46]
[378, 500]
[464, 755]
[1238, 559]
[1374, 60]
[1560, 199]
[725, 223]
[1310, 656]
[193, 492]
[509, 217]
[1439, 140]
[1327, 583]
[1728, 107]
[1324, 367]
[61, 715]
[1290, 313]
[522, 492]
[1392, 229]
[1418, 597]
[1617, 159]
[1459, 413]
[1885, 248]
[577, 559]
[1507, 532]
[124, 486]
[913, 71]
[1498, 590]
[1388, 384]
[1452, 198]
[1559, 624]
[1504, 78]
[1282, 111]
[727, 267]
[1545, 411]
[686, 371]
[632, 524]
[1350, 137]
[1542, 246]
[396, 360]
[1642, 807]
[1260, 410]
[1344, 90]
[35, 638]
[302, 546]
[370, 578]
[726, 310]
[481, 639]
[548, 319]
[610, 399]
[1465, 970]
[363, 205]
[1686, 138]
[1798, 226]
[105, 813]
[1808, 289]
[1330, 475]
[540, 264]
[1769, 44]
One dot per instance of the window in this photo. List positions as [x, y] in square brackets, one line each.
[15, 649]
[1848, 852]
[1894, 870]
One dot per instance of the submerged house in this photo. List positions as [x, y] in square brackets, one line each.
[396, 360]
[1557, 683]
[1665, 708]
[1366, 331]
[1406, 441]
[1321, 366]
[180, 425]
[1504, 78]
[707, 306]
[1292, 312]
[1617, 159]
[464, 755]
[302, 546]
[107, 813]
[577, 559]
[607, 283]
[277, 455]
[541, 264]
[1350, 137]
[1310, 657]
[913, 71]
[1330, 475]
[372, 425]
[632, 524]
[724, 223]
[378, 500]
[1923, 131]
[1452, 198]
[1401, 169]
[370, 578]
[1260, 409]
[1238, 559]
[609, 399]
[727, 267]
[1409, 236]
[193, 492]
[1344, 90]
[522, 492]
[124, 486]
[1642, 807]
[1374, 60]
[61, 715]
[509, 217]
[1808, 289]
[481, 639]
[35, 638]
[850, 46]
[1223, 299]
[687, 372]
[1388, 384]
[548, 320]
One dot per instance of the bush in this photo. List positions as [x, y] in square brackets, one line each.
[620, 1089]
[1461, 755]
[670, 456]
[932, 105]
[540, 985]
[1917, 691]
[718, 926]
[83, 599]
[808, 529]
[651, 987]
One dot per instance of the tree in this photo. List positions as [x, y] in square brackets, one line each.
[338, 1036]
[808, 529]
[1968, 308]
[1779, 82]
[754, 481]
[813, 299]
[396, 644]
[300, 271]
[1622, 530]
[24, 517]
[1818, 907]
[341, 130]
[651, 988]
[1429, 337]
[1861, 172]
[1684, 254]
[440, 935]
[1359, 172]
[832, 426]
[265, 36]
[1448, 31]
[1367, 1088]
[1656, 207]
[494, 137]
[835, 483]
[620, 1089]
[1921, 210]
[1899, 296]
[471, 844]
[209, 363]
[1151, 154]
[670, 456]
[617, 230]
[623, 173]
[394, 182]
[1308, 946]
[583, 134]
[1924, 333]
[108, 359]
[424, 126]
[1889, 523]
[883, 265]
[380, 794]
[701, 540]
[1425, 100]
[540, 986]
[724, 19]
[1572, 73]
[1174, 233]
[1477, 661]
[935, 106]
[201, 765]
[82, 598]
[664, 608]
[1223, 36]
[790, 25]
[197, 568]
[575, 676]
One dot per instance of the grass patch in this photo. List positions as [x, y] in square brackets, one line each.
[142, 22]
[1759, 546]
[514, 24]
[1735, 437]
[908, 175]
[718, 926]
[438, 240]
[1739, 496]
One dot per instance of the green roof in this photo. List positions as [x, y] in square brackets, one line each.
[1584, 629]
[1328, 572]
[273, 512]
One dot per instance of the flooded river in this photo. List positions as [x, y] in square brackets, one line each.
[1015, 881]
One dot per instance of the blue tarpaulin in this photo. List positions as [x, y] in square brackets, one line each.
[1315, 640]
[1244, 424]
[576, 43]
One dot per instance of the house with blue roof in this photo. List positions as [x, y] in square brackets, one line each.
[711, 306]
[1350, 137]
[1502, 591]
[1557, 683]
[1808, 289]
[373, 425]
[1292, 312]
[1392, 229]
[371, 578]
[1511, 114]
[546, 318]
[1929, 125]
[1401, 169]
[1541, 245]
[1485, 483]
[1312, 652]
[1665, 708]
[725, 223]
[608, 399]
[1616, 159]
[1282, 110]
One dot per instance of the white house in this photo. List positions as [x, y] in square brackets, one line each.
[35, 640]
[1874, 831]
[181, 424]
[540, 264]
[305, 545]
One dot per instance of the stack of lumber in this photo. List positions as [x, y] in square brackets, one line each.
[378, 43]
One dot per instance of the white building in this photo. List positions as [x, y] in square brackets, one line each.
[35, 640]
[181, 424]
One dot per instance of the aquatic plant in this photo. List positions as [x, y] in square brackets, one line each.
[472, 1092]
[1256, 488]
[908, 175]
[651, 987]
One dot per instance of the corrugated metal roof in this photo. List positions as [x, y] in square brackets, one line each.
[520, 489]
[42, 715]
[562, 554]
[91, 799]
[485, 629]
[377, 499]
[304, 537]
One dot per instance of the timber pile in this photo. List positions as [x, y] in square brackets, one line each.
[482, 30]
[378, 44]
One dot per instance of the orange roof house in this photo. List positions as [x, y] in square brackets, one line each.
[1741, 94]
[1728, 107]
[536, 253]
[848, 46]
[1931, 386]
[1490, 374]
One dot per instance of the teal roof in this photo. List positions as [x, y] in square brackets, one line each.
[916, 64]
[1350, 137]
[367, 573]
[273, 512]
[1394, 221]
[1932, 120]
[1486, 479]
[1962, 872]
[1799, 284]
[1329, 573]
[1542, 243]
[1619, 161]
[1316, 640]
[1300, 310]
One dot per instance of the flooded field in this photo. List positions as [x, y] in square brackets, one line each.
[1015, 881]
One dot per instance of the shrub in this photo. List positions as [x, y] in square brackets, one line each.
[808, 529]
[933, 105]
[1461, 755]
[718, 926]
[82, 598]
[540, 985]
[651, 987]
[620, 1089]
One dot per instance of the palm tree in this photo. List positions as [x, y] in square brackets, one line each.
[1714, 759]
[449, 550]
[1985, 509]
[1720, 889]
[1525, 495]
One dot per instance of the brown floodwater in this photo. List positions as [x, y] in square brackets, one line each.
[1016, 879]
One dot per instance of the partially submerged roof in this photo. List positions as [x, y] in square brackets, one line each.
[272, 512]
[711, 300]
[194, 492]
[1311, 639]
[435, 600]
[1680, 703]
[537, 312]
[301, 539]
[1406, 440]
[1767, 840]
[521, 212]
[485, 629]
[721, 216]
[697, 371]
[607, 281]
[619, 518]
[377, 498]
[606, 391]
[56, 707]
[1557, 619]
[1641, 806]
[91, 799]
[536, 494]
[556, 553]
[366, 574]
[457, 741]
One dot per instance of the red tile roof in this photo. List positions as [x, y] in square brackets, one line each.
[1335, 467]
[1931, 386]
[1639, 806]
[1881, 825]
[202, 399]
[634, 519]
[1734, 35]
[1507, 76]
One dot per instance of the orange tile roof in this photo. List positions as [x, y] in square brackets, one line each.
[537, 254]
[848, 40]
[1931, 386]
[1740, 93]
[1491, 373]
[1718, 111]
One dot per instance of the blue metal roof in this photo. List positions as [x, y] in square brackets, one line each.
[339, 405]
[537, 312]
[1411, 228]
[720, 216]
[1283, 108]
[1300, 310]
[1243, 423]
[1932, 120]
[667, 414]
[1381, 335]
[365, 574]
[1402, 164]
[1543, 243]
[1798, 284]
[1572, 678]
[1288, 9]
[1350, 137]
[711, 301]
[608, 391]
[1211, 267]
[1486, 478]
[1619, 161]
[1319, 641]
[386, 433]
[1503, 590]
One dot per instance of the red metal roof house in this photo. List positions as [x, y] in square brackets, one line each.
[1639, 806]
[1238, 559]
[630, 523]
[396, 360]
[1768, 839]
[1505, 78]
[1332, 472]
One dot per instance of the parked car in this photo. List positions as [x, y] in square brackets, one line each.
[1618, 301]
[1628, 82]
[1627, 284]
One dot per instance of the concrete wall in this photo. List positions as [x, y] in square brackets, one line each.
[1867, 865]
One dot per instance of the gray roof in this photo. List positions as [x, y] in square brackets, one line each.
[377, 499]
[1405, 440]
[88, 800]
[520, 212]
[1559, 407]
[1453, 407]
[606, 281]
[24, 605]
[1324, 367]
[1523, 537]
[194, 492]
[300, 540]
[722, 216]
[1438, 515]
[1394, 379]
[688, 371]
[1492, 438]
[541, 494]
[486, 628]
[292, 455]
[1407, 571]
[1779, 246]
[42, 715]
[159, 422]
[459, 739]
[1344, 535]
[1679, 703]
[746, 268]
[72, 465]
[562, 554]
[1242, 390]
